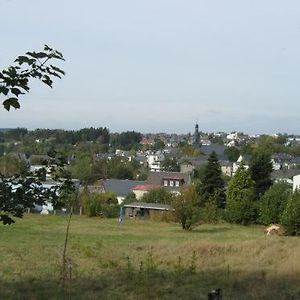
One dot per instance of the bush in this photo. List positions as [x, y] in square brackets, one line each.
[273, 203]
[210, 213]
[291, 215]
[186, 206]
[103, 205]
[240, 207]
[159, 195]
[162, 216]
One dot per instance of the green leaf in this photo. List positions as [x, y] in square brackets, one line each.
[57, 69]
[16, 91]
[4, 90]
[14, 102]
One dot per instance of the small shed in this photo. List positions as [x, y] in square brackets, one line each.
[143, 210]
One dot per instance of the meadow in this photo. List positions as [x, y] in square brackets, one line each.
[145, 260]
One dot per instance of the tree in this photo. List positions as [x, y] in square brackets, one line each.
[102, 205]
[233, 153]
[273, 203]
[81, 168]
[186, 207]
[159, 195]
[260, 170]
[17, 193]
[158, 145]
[9, 165]
[239, 198]
[212, 183]
[14, 81]
[170, 165]
[291, 215]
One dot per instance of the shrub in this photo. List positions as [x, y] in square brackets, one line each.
[186, 207]
[210, 213]
[291, 215]
[273, 203]
[103, 205]
[240, 207]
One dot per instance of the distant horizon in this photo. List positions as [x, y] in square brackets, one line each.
[145, 133]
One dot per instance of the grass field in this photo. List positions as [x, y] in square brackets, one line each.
[145, 260]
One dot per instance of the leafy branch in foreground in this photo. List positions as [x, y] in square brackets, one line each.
[14, 81]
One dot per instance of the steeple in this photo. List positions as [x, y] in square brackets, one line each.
[196, 137]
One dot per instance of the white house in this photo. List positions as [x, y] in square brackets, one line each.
[296, 182]
[154, 161]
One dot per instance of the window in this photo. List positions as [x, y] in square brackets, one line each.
[171, 183]
[177, 183]
[165, 182]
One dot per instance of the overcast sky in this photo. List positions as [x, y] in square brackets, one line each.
[160, 65]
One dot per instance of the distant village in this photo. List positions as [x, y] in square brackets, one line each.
[137, 163]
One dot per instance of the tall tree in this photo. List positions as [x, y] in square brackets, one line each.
[260, 171]
[291, 215]
[239, 198]
[212, 183]
[273, 203]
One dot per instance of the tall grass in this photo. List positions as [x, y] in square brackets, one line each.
[145, 260]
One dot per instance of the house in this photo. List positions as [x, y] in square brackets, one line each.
[284, 161]
[189, 164]
[226, 167]
[217, 148]
[120, 187]
[141, 189]
[296, 182]
[154, 161]
[242, 158]
[285, 175]
[172, 181]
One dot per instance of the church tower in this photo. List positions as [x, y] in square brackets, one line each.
[196, 137]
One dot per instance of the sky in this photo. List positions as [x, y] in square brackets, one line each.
[159, 65]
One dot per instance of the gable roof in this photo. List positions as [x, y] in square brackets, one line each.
[285, 174]
[208, 149]
[156, 178]
[120, 187]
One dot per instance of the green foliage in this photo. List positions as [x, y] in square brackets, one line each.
[129, 198]
[233, 153]
[158, 145]
[10, 165]
[240, 206]
[81, 168]
[260, 171]
[159, 195]
[291, 215]
[210, 213]
[212, 183]
[101, 204]
[17, 194]
[186, 206]
[125, 140]
[170, 165]
[122, 168]
[273, 203]
[189, 150]
[14, 81]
